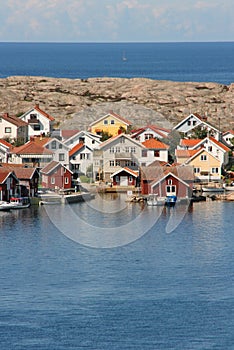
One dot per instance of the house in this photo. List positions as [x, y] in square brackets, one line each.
[81, 158]
[13, 129]
[217, 148]
[207, 167]
[57, 147]
[196, 124]
[28, 178]
[111, 123]
[118, 152]
[89, 139]
[31, 154]
[228, 137]
[125, 177]
[5, 148]
[39, 122]
[56, 176]
[165, 181]
[157, 150]
[8, 184]
[149, 132]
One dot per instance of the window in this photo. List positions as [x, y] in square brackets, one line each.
[203, 157]
[169, 182]
[61, 157]
[60, 146]
[53, 144]
[7, 130]
[196, 170]
[117, 178]
[33, 116]
[130, 178]
[52, 180]
[210, 148]
[66, 180]
[117, 149]
[105, 122]
[215, 170]
[112, 121]
[189, 122]
[112, 163]
[117, 163]
[143, 164]
[194, 122]
[156, 153]
[127, 149]
[127, 163]
[122, 140]
[93, 142]
[148, 136]
[133, 149]
[82, 156]
[36, 127]
[144, 153]
[112, 150]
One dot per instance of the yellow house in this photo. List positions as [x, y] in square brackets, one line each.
[206, 166]
[111, 123]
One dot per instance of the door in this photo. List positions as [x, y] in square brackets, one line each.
[123, 181]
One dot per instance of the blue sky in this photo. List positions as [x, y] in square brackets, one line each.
[116, 20]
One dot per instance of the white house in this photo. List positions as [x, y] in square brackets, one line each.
[39, 122]
[156, 150]
[81, 158]
[89, 139]
[228, 136]
[13, 128]
[149, 132]
[194, 121]
[5, 148]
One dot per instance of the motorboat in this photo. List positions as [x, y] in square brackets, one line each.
[155, 200]
[19, 202]
[5, 206]
[170, 201]
[212, 189]
[228, 187]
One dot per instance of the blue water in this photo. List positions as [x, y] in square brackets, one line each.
[199, 62]
[163, 291]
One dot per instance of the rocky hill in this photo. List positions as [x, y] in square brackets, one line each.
[75, 103]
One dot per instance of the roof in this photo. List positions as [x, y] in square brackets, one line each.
[154, 144]
[217, 143]
[66, 134]
[117, 116]
[4, 174]
[199, 151]
[41, 140]
[229, 132]
[31, 147]
[200, 118]
[76, 148]
[52, 166]
[185, 153]
[14, 120]
[5, 143]
[156, 173]
[126, 169]
[20, 170]
[189, 142]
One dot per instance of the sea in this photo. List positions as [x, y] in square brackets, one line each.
[109, 274]
[184, 61]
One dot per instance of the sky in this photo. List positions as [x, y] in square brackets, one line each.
[116, 20]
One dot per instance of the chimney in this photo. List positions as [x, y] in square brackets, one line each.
[6, 115]
[32, 138]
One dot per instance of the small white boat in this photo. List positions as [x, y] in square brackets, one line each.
[19, 202]
[212, 189]
[5, 206]
[228, 187]
[154, 200]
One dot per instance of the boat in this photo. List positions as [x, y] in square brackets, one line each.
[212, 189]
[5, 206]
[124, 58]
[170, 201]
[19, 202]
[154, 200]
[228, 187]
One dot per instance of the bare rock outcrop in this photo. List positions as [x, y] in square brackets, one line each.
[77, 102]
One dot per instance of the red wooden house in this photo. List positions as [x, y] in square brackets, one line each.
[56, 176]
[124, 177]
[167, 181]
[8, 184]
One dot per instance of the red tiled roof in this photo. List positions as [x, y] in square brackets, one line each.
[14, 120]
[31, 147]
[229, 132]
[189, 142]
[20, 171]
[4, 142]
[220, 144]
[76, 148]
[4, 173]
[40, 140]
[154, 144]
